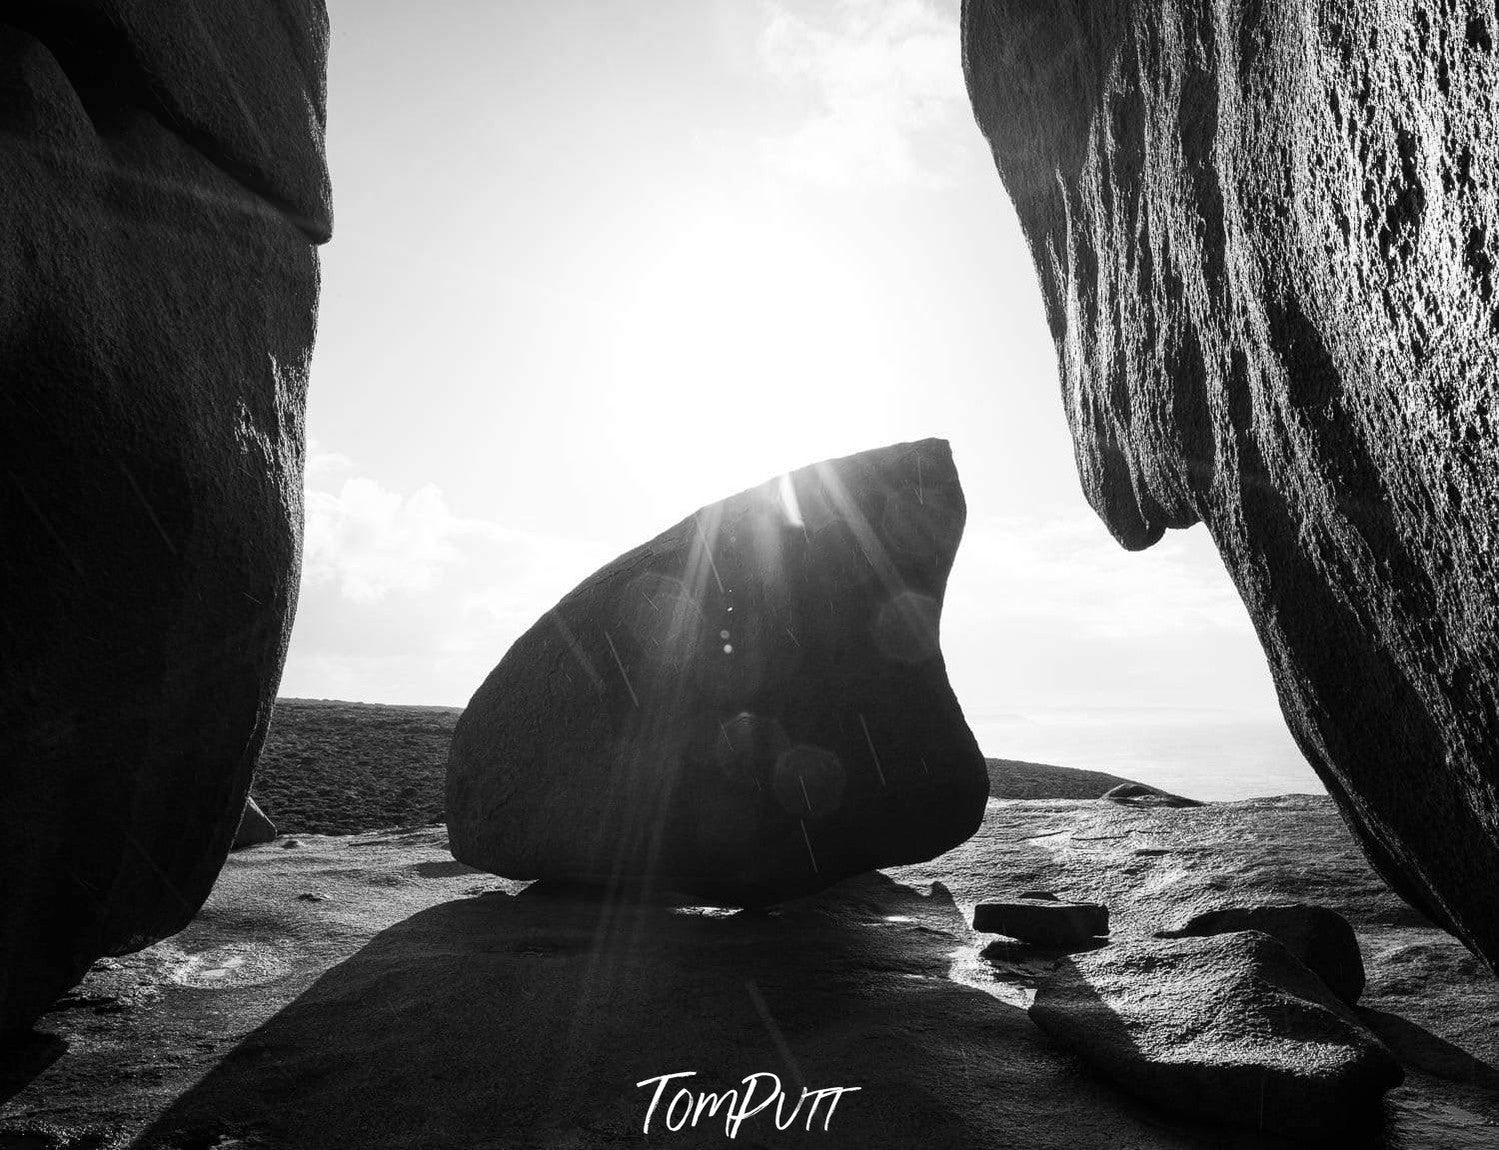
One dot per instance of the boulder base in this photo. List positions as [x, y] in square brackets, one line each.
[750, 706]
[164, 187]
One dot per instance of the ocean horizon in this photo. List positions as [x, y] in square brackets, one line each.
[1214, 754]
[1209, 754]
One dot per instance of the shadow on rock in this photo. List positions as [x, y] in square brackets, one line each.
[529, 1020]
[25, 1056]
[1026, 959]
[1423, 1051]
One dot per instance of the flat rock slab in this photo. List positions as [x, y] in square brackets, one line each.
[1231, 1026]
[1317, 935]
[750, 706]
[1045, 922]
[414, 1002]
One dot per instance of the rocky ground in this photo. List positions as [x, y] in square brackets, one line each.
[367, 991]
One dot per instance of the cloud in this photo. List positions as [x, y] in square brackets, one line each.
[321, 463]
[404, 600]
[370, 541]
[1067, 573]
[1049, 612]
[884, 82]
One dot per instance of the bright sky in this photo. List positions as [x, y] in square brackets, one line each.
[598, 264]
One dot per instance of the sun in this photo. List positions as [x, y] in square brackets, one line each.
[733, 356]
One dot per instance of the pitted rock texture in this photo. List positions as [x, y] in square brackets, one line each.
[1231, 1028]
[750, 706]
[1266, 236]
[164, 186]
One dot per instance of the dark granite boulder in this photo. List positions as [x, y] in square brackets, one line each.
[164, 188]
[1230, 1028]
[1266, 236]
[750, 706]
[1319, 937]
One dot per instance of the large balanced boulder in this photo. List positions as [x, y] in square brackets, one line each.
[1266, 237]
[750, 706]
[164, 189]
[1230, 1028]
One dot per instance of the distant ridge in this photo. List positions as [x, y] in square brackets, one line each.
[1016, 779]
[335, 767]
[347, 703]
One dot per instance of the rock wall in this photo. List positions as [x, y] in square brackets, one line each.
[164, 189]
[1266, 232]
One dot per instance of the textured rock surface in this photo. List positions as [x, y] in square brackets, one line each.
[1044, 920]
[254, 827]
[1320, 938]
[278, 1019]
[1230, 1027]
[751, 705]
[1266, 237]
[164, 184]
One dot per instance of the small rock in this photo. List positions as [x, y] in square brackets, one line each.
[254, 826]
[1231, 1028]
[1319, 937]
[290, 844]
[1045, 923]
[309, 896]
[1141, 795]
